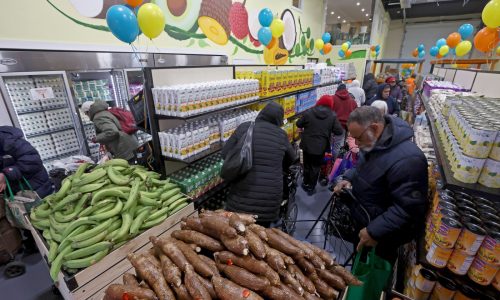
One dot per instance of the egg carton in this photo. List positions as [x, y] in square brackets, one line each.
[58, 118]
[90, 131]
[19, 92]
[44, 145]
[65, 142]
[57, 85]
[33, 123]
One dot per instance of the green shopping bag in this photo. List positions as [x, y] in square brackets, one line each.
[20, 204]
[374, 273]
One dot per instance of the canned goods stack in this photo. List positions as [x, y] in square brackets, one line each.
[200, 177]
[463, 235]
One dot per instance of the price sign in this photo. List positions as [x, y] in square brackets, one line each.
[42, 93]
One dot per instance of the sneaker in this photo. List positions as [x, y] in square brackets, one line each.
[323, 182]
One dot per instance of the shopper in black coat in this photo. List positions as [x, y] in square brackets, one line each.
[260, 191]
[384, 94]
[370, 85]
[390, 180]
[318, 123]
[17, 159]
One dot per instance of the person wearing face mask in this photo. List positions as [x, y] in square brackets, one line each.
[384, 94]
[395, 88]
[390, 180]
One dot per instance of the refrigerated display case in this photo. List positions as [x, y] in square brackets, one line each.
[40, 104]
[134, 80]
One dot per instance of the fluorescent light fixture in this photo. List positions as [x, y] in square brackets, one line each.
[362, 9]
[357, 4]
[332, 13]
[366, 15]
[338, 17]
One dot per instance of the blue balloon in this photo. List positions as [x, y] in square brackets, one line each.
[466, 30]
[341, 53]
[326, 37]
[421, 47]
[377, 48]
[266, 17]
[321, 52]
[452, 52]
[123, 23]
[349, 43]
[421, 54]
[440, 43]
[434, 51]
[265, 35]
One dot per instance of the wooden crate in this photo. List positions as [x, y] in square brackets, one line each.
[91, 282]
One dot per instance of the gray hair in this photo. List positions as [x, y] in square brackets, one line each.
[381, 105]
[366, 115]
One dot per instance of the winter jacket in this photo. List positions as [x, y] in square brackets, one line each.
[396, 93]
[343, 105]
[318, 123]
[357, 92]
[391, 183]
[260, 191]
[370, 85]
[392, 103]
[109, 132]
[18, 158]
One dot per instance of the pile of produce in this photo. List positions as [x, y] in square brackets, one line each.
[223, 255]
[94, 213]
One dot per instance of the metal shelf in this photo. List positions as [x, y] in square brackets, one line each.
[26, 112]
[449, 181]
[213, 149]
[45, 132]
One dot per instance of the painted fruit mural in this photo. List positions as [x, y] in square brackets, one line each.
[220, 22]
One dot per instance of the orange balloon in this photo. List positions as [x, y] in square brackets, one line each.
[453, 39]
[327, 48]
[415, 52]
[134, 3]
[439, 56]
[348, 53]
[372, 48]
[487, 39]
[272, 43]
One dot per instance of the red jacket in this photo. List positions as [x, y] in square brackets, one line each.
[343, 105]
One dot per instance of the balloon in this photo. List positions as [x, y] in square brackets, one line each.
[341, 53]
[498, 51]
[439, 56]
[486, 39]
[151, 20]
[444, 50]
[345, 47]
[134, 3]
[466, 30]
[440, 43]
[463, 48]
[414, 53]
[421, 47]
[434, 51]
[373, 53]
[326, 37]
[327, 48]
[377, 48]
[421, 54]
[350, 44]
[277, 28]
[122, 23]
[321, 52]
[265, 35]
[453, 39]
[348, 53]
[372, 48]
[319, 44]
[491, 14]
[266, 17]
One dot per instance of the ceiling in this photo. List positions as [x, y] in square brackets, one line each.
[349, 11]
[432, 8]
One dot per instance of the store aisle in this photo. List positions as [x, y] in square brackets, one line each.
[33, 285]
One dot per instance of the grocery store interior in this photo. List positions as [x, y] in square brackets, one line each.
[250, 149]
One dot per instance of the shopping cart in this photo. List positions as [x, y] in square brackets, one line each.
[289, 209]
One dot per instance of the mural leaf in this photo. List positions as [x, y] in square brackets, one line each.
[202, 44]
[303, 41]
[308, 32]
[245, 40]
[235, 51]
[191, 42]
[297, 50]
[311, 44]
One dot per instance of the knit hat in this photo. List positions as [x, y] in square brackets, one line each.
[390, 79]
[86, 106]
[341, 87]
[325, 100]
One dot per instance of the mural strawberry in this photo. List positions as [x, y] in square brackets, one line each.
[238, 18]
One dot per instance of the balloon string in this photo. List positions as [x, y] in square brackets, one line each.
[154, 44]
[134, 49]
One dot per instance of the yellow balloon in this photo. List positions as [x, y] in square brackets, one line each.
[151, 20]
[277, 28]
[498, 51]
[491, 14]
[463, 48]
[373, 53]
[345, 47]
[319, 44]
[444, 50]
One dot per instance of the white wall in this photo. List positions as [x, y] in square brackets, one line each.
[4, 115]
[380, 26]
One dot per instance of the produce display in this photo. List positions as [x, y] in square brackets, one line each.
[191, 99]
[94, 213]
[223, 255]
[274, 82]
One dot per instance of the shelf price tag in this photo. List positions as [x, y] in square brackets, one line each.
[42, 93]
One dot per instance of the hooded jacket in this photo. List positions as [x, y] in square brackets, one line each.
[343, 105]
[392, 104]
[370, 85]
[260, 191]
[357, 92]
[318, 124]
[391, 183]
[18, 158]
[109, 132]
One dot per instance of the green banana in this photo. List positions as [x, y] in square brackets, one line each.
[65, 241]
[139, 210]
[68, 199]
[132, 197]
[124, 229]
[116, 162]
[118, 245]
[136, 224]
[152, 195]
[117, 178]
[41, 224]
[165, 196]
[42, 211]
[92, 187]
[147, 201]
[56, 265]
[90, 241]
[58, 227]
[177, 208]
[90, 177]
[108, 214]
[75, 224]
[81, 263]
[65, 187]
[142, 175]
[173, 199]
[92, 232]
[46, 235]
[84, 252]
[81, 169]
[52, 251]
[60, 217]
[174, 204]
[153, 222]
[107, 193]
[54, 235]
[103, 209]
[161, 212]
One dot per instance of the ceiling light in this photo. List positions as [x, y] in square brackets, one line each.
[362, 9]
[338, 17]
[370, 19]
[332, 13]
[357, 4]
[366, 15]
[343, 21]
